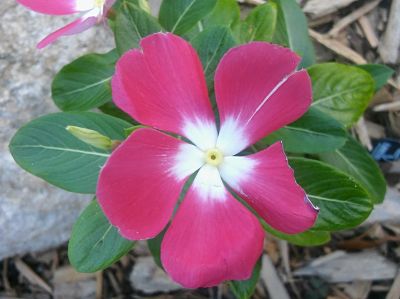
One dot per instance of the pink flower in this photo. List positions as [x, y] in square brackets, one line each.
[212, 237]
[93, 12]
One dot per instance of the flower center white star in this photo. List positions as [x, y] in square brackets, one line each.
[99, 3]
[213, 157]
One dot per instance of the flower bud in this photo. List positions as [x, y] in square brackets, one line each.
[91, 137]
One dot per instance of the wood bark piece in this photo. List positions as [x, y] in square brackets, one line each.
[352, 17]
[319, 8]
[340, 266]
[358, 289]
[337, 47]
[395, 106]
[362, 133]
[31, 276]
[252, 2]
[389, 47]
[394, 292]
[272, 281]
[369, 32]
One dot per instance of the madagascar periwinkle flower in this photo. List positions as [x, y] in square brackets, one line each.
[92, 12]
[212, 237]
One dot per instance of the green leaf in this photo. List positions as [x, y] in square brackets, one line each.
[155, 243]
[308, 238]
[260, 24]
[314, 132]
[245, 289]
[225, 13]
[111, 109]
[46, 149]
[341, 91]
[95, 244]
[379, 72]
[130, 130]
[354, 160]
[155, 247]
[142, 4]
[211, 45]
[84, 83]
[343, 203]
[131, 25]
[179, 16]
[292, 31]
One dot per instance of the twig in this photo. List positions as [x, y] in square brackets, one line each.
[362, 133]
[394, 292]
[319, 8]
[113, 282]
[252, 2]
[395, 106]
[368, 31]
[31, 276]
[271, 279]
[321, 21]
[389, 48]
[284, 249]
[337, 47]
[99, 284]
[6, 283]
[354, 16]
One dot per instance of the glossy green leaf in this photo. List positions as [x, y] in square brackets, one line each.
[354, 160]
[225, 13]
[245, 289]
[179, 16]
[84, 83]
[292, 31]
[131, 25]
[341, 91]
[211, 45]
[379, 72]
[260, 24]
[46, 149]
[314, 132]
[308, 238]
[343, 203]
[95, 244]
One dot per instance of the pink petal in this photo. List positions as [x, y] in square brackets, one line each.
[58, 7]
[258, 91]
[75, 27]
[212, 238]
[141, 182]
[266, 182]
[162, 85]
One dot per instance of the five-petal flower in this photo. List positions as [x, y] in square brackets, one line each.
[212, 236]
[93, 12]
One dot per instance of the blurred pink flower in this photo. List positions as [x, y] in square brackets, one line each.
[212, 237]
[93, 12]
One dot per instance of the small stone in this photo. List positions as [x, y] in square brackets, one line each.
[148, 278]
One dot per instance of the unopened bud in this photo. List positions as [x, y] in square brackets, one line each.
[91, 137]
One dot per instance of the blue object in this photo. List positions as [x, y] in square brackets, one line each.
[386, 150]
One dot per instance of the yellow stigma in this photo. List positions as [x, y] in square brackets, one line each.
[99, 3]
[214, 156]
